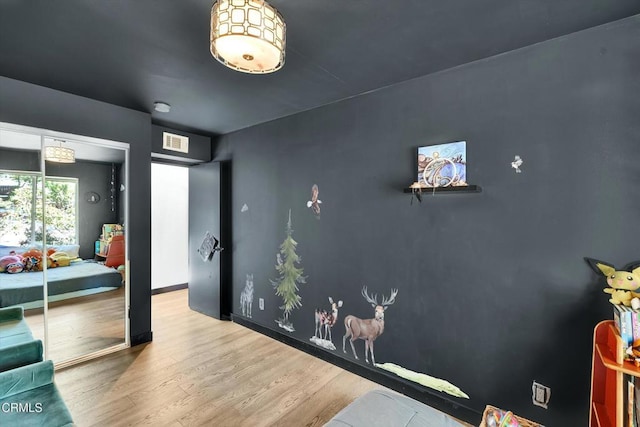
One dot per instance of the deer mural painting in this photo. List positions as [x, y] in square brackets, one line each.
[367, 329]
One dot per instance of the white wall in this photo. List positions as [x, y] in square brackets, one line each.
[169, 225]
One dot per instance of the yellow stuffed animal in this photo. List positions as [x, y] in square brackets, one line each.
[622, 283]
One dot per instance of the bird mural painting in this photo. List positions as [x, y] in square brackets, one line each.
[517, 162]
[314, 203]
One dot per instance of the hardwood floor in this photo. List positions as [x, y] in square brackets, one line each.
[201, 371]
[81, 325]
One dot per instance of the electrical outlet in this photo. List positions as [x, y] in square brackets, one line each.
[540, 394]
[261, 303]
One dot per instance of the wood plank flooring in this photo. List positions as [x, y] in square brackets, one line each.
[201, 371]
[82, 325]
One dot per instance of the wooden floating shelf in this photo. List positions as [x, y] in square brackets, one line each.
[459, 189]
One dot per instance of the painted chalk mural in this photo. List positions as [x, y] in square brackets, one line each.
[370, 328]
[289, 277]
[315, 202]
[324, 321]
[359, 325]
[246, 297]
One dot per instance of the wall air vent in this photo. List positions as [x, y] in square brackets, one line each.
[173, 142]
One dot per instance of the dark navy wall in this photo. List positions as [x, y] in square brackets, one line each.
[30, 105]
[23, 160]
[493, 289]
[96, 177]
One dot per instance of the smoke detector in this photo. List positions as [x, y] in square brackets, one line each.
[161, 107]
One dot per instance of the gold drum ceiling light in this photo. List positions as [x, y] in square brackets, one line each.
[59, 154]
[247, 35]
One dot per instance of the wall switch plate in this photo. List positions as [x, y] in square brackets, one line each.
[261, 303]
[540, 394]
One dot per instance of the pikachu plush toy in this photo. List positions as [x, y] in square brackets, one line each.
[622, 283]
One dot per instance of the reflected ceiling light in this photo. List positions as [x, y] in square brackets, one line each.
[247, 35]
[59, 154]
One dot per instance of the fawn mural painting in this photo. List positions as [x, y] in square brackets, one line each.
[286, 285]
[325, 319]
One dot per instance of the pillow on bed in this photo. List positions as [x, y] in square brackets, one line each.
[73, 251]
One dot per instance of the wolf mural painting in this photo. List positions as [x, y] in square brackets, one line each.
[290, 276]
[246, 297]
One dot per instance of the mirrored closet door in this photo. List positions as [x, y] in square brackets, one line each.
[20, 197]
[79, 245]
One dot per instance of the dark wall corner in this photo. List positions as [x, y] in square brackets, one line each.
[226, 240]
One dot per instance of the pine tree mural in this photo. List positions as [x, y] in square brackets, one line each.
[286, 285]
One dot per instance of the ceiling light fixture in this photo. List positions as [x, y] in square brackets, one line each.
[161, 107]
[247, 35]
[59, 154]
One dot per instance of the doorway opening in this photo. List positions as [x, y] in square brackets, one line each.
[169, 227]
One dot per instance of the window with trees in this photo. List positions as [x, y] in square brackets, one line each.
[21, 209]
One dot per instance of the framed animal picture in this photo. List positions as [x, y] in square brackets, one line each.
[442, 165]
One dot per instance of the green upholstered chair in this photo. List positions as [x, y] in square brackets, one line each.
[29, 397]
[28, 394]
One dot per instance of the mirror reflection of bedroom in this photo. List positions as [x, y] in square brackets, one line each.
[63, 234]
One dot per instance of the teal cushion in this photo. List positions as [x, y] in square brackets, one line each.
[14, 356]
[15, 339]
[13, 327]
[14, 332]
[11, 313]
